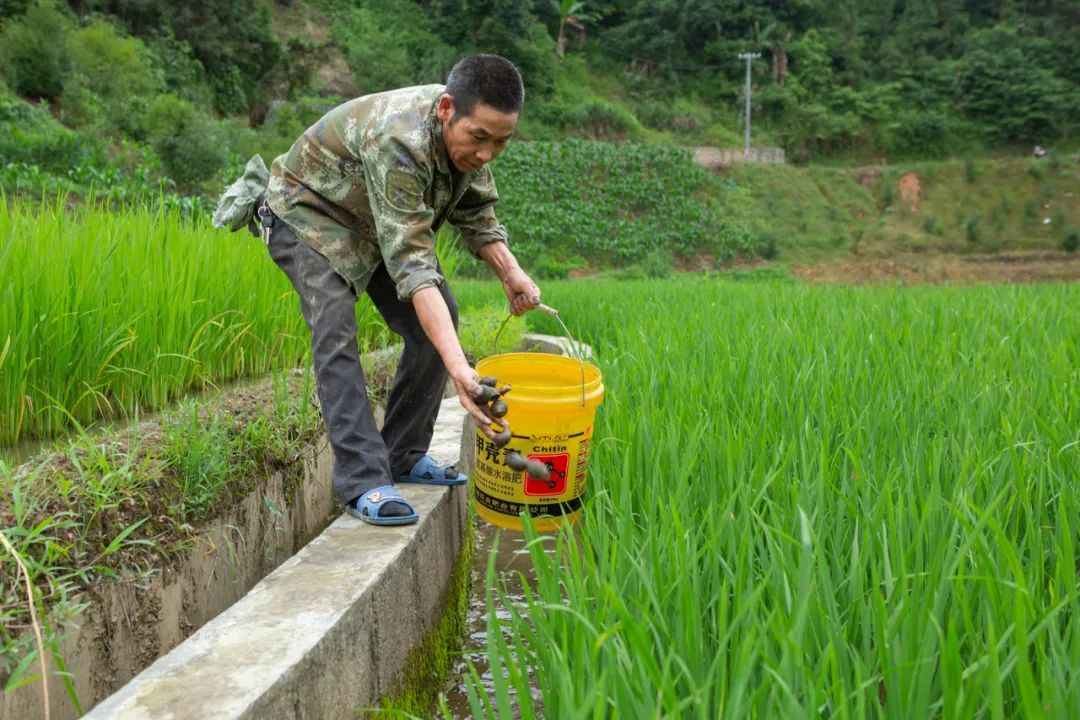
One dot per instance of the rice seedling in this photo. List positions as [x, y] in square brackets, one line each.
[108, 310]
[812, 502]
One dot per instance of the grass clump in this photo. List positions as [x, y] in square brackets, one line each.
[488, 330]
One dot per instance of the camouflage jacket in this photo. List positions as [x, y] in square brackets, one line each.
[371, 182]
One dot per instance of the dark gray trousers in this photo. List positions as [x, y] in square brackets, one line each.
[364, 458]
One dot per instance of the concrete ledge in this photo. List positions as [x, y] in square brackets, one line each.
[326, 633]
[555, 345]
[126, 626]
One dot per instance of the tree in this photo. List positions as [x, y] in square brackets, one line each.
[33, 51]
[571, 13]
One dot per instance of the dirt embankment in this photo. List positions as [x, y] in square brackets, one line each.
[917, 269]
[117, 610]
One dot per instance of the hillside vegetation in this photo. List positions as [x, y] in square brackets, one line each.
[150, 101]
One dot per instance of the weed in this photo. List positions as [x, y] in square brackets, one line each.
[931, 226]
[1071, 241]
[971, 169]
[973, 229]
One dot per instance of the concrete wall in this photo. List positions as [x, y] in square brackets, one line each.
[326, 633]
[330, 631]
[128, 625]
[713, 158]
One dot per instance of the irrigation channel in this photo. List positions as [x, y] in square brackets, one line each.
[512, 563]
[512, 567]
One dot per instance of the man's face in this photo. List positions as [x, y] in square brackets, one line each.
[474, 140]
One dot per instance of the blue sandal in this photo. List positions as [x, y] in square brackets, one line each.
[370, 503]
[427, 471]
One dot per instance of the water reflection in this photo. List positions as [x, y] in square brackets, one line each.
[512, 566]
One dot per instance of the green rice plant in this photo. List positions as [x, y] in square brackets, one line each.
[108, 310]
[811, 501]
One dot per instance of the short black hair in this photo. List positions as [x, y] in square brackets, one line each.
[489, 79]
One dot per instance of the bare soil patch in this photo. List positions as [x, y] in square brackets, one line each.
[967, 269]
[910, 191]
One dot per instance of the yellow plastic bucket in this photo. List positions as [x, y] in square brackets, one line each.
[551, 407]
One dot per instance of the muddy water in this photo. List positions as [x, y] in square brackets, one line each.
[512, 564]
[24, 450]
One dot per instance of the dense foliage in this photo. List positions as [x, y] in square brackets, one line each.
[610, 204]
[134, 98]
[127, 310]
[861, 78]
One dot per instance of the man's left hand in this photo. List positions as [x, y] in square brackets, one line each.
[521, 291]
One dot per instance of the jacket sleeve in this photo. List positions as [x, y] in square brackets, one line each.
[396, 180]
[474, 215]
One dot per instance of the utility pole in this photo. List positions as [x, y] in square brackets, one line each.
[749, 58]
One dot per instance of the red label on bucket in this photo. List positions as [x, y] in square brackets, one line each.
[556, 482]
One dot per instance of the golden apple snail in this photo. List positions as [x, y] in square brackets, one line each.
[515, 461]
[485, 393]
[537, 470]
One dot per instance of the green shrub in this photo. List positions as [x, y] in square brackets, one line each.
[973, 229]
[678, 115]
[630, 272]
[552, 267]
[998, 216]
[888, 193]
[113, 73]
[1071, 241]
[971, 170]
[932, 226]
[182, 72]
[188, 142]
[657, 264]
[1036, 169]
[599, 120]
[1058, 221]
[768, 248]
[1031, 211]
[392, 43]
[31, 136]
[33, 51]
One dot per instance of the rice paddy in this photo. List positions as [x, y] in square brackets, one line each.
[803, 501]
[812, 502]
[107, 310]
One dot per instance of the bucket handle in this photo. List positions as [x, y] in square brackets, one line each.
[575, 347]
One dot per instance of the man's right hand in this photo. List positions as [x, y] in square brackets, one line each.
[467, 382]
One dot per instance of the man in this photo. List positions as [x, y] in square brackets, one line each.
[353, 207]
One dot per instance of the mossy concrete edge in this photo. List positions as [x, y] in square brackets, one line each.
[429, 663]
[332, 630]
